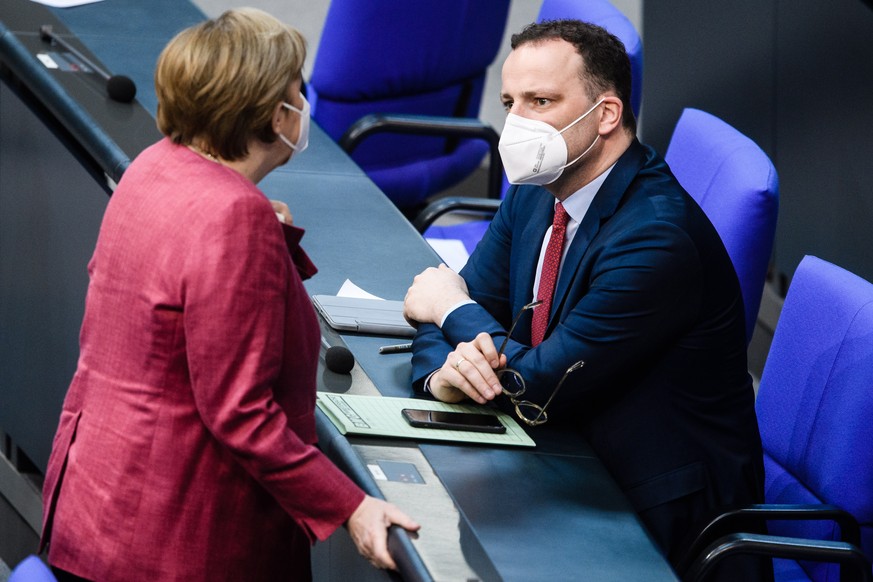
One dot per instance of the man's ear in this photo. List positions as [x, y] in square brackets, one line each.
[610, 118]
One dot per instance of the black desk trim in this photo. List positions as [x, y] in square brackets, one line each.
[79, 124]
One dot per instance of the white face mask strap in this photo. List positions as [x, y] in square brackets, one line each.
[287, 141]
[582, 154]
[292, 108]
[583, 116]
[301, 113]
[552, 136]
[588, 149]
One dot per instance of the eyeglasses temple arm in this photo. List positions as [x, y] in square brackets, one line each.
[569, 371]
[530, 305]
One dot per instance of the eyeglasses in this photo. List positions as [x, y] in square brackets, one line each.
[514, 386]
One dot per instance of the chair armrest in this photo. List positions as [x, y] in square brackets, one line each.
[854, 565]
[750, 518]
[452, 204]
[459, 127]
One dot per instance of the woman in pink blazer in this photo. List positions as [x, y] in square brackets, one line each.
[185, 449]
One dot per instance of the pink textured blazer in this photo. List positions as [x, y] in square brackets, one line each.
[185, 449]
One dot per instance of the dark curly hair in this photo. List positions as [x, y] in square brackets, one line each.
[606, 65]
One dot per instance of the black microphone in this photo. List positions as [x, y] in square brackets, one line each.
[339, 359]
[118, 87]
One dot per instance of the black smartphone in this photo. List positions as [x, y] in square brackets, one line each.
[453, 420]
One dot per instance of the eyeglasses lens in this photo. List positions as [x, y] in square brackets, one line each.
[511, 381]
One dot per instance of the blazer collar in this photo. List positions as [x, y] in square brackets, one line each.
[604, 205]
[538, 222]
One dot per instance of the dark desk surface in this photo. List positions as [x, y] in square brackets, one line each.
[489, 513]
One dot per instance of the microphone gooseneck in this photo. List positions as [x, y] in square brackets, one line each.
[119, 87]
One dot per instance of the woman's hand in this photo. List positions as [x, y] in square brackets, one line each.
[283, 213]
[368, 527]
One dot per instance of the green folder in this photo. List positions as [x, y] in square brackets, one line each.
[358, 414]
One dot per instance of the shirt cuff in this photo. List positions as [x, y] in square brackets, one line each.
[453, 308]
[426, 386]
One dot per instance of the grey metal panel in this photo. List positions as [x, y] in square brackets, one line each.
[50, 213]
[797, 78]
[715, 56]
[824, 120]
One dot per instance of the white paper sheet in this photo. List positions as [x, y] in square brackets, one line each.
[451, 251]
[349, 289]
[65, 3]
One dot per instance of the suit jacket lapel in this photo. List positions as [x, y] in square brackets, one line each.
[604, 205]
[535, 227]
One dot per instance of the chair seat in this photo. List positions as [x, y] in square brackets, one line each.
[408, 184]
[815, 403]
[32, 569]
[782, 486]
[469, 233]
[789, 571]
[814, 408]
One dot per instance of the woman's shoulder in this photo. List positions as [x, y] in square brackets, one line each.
[174, 184]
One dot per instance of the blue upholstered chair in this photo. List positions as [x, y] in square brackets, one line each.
[736, 184]
[815, 410]
[599, 12]
[731, 178]
[603, 13]
[387, 69]
[32, 569]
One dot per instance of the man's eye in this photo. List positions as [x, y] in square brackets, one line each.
[542, 101]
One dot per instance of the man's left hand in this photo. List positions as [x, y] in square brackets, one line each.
[469, 372]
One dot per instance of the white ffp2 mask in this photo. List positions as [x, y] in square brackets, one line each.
[534, 152]
[303, 135]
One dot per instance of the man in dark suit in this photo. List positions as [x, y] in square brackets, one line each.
[646, 295]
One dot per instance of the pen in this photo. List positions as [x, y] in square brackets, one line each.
[396, 348]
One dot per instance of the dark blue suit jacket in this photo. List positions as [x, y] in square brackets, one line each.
[649, 299]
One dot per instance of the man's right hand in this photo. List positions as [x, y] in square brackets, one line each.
[433, 292]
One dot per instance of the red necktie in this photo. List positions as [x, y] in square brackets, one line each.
[549, 274]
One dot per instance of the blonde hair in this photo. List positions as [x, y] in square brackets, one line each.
[219, 81]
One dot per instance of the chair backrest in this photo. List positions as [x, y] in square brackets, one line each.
[736, 184]
[32, 569]
[604, 14]
[427, 57]
[815, 402]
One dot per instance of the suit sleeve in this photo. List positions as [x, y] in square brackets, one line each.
[642, 290]
[644, 293]
[488, 271]
[236, 283]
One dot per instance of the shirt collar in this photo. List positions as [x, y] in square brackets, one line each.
[578, 202]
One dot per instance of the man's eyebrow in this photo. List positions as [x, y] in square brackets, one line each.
[533, 93]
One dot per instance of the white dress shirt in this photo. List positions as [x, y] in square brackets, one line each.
[576, 205]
